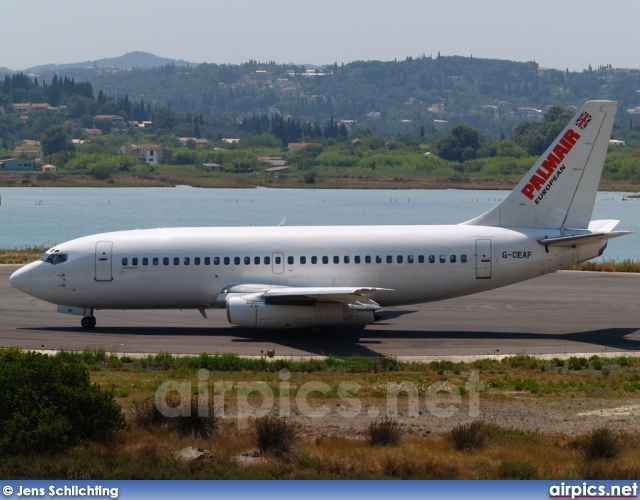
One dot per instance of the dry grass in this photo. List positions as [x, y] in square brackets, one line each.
[22, 255]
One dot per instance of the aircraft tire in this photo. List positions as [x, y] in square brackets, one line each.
[88, 322]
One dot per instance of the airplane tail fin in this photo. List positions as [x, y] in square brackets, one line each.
[560, 189]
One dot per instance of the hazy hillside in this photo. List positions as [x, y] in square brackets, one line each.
[130, 60]
[428, 94]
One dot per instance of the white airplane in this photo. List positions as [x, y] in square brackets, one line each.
[280, 277]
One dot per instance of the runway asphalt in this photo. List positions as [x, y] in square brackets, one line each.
[565, 312]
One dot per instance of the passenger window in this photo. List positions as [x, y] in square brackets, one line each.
[216, 261]
[176, 261]
[196, 261]
[400, 259]
[303, 260]
[256, 260]
[389, 259]
[165, 261]
[134, 261]
[336, 259]
[378, 259]
[443, 259]
[145, 261]
[278, 260]
[356, 259]
[267, 261]
[227, 261]
[247, 261]
[325, 259]
[187, 261]
[346, 259]
[290, 260]
[452, 258]
[125, 261]
[409, 259]
[314, 260]
[463, 258]
[421, 259]
[156, 261]
[432, 259]
[236, 261]
[367, 259]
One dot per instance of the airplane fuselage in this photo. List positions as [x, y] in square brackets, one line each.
[186, 268]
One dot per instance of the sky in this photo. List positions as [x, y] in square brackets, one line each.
[555, 33]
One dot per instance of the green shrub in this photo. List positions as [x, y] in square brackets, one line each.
[48, 404]
[384, 432]
[275, 435]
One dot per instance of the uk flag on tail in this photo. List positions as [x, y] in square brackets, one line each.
[583, 120]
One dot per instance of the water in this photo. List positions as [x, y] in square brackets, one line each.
[47, 216]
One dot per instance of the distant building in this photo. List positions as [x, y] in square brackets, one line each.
[18, 165]
[93, 132]
[210, 167]
[24, 108]
[440, 124]
[147, 153]
[29, 150]
[529, 112]
[198, 142]
[115, 120]
[274, 161]
[349, 124]
[48, 168]
[230, 140]
[298, 145]
[616, 142]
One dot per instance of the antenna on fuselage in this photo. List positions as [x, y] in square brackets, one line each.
[282, 222]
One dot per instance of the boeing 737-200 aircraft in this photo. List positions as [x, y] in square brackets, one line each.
[286, 277]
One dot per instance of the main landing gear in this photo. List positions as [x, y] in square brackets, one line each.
[88, 322]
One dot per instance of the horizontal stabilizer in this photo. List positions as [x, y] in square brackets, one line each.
[580, 239]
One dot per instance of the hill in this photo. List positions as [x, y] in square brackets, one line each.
[130, 60]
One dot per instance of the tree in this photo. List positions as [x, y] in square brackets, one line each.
[535, 137]
[55, 139]
[460, 144]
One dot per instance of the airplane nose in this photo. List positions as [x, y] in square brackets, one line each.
[21, 279]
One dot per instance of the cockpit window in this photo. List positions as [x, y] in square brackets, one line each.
[54, 258]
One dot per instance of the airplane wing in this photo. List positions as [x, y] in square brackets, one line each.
[272, 294]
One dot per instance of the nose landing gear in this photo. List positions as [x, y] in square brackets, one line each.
[88, 322]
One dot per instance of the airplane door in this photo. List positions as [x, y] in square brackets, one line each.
[483, 259]
[277, 262]
[103, 261]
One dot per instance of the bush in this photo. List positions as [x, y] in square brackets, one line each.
[145, 414]
[195, 425]
[384, 432]
[275, 435]
[49, 404]
[601, 443]
[472, 436]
